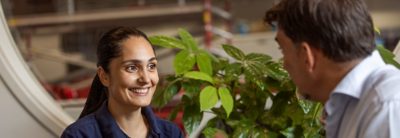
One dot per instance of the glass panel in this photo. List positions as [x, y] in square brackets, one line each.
[58, 37]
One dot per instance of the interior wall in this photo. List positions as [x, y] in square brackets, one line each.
[16, 121]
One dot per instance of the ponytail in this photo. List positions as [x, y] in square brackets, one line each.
[96, 97]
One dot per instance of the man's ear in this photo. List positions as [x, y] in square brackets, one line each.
[104, 78]
[309, 56]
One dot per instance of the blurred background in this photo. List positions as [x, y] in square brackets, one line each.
[57, 38]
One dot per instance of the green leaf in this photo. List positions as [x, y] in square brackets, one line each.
[295, 113]
[220, 63]
[306, 105]
[275, 122]
[184, 61]
[276, 71]
[161, 98]
[204, 63]
[191, 87]
[234, 52]
[191, 117]
[293, 132]
[387, 56]
[199, 76]
[254, 64]
[272, 134]
[253, 71]
[257, 57]
[210, 132]
[226, 99]
[259, 133]
[232, 71]
[288, 132]
[281, 102]
[188, 40]
[208, 98]
[167, 42]
[243, 129]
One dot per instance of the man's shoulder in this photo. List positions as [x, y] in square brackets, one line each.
[387, 84]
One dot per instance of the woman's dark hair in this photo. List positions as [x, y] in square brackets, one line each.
[109, 47]
[341, 29]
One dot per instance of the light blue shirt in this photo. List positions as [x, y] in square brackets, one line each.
[366, 102]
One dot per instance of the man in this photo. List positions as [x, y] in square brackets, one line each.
[329, 51]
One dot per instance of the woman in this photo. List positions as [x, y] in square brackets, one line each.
[117, 105]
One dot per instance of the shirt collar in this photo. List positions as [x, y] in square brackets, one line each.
[352, 83]
[110, 128]
[152, 120]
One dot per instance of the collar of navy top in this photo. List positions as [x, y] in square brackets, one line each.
[110, 128]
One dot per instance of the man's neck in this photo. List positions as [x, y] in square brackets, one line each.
[331, 75]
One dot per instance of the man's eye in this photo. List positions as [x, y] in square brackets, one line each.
[152, 66]
[131, 68]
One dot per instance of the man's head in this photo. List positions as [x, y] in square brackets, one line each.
[341, 29]
[318, 35]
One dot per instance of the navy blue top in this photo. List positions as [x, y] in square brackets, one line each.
[101, 124]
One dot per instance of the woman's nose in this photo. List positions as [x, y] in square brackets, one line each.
[144, 77]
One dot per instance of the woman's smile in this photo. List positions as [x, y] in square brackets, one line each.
[140, 91]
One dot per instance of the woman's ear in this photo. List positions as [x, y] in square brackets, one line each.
[309, 54]
[104, 78]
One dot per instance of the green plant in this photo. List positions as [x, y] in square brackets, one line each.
[242, 87]
[387, 56]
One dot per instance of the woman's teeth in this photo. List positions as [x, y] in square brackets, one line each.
[139, 90]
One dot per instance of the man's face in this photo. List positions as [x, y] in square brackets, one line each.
[294, 62]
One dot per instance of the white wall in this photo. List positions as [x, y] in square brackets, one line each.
[16, 122]
[26, 109]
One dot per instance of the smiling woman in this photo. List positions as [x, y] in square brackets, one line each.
[118, 102]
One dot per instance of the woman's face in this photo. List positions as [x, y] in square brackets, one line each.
[133, 76]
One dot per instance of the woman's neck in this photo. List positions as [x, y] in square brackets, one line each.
[130, 120]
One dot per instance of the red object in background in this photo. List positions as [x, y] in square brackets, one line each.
[63, 92]
[83, 92]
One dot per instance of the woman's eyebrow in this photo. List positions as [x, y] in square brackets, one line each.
[138, 61]
[153, 59]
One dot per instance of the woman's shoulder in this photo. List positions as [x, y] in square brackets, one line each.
[166, 123]
[87, 121]
[81, 127]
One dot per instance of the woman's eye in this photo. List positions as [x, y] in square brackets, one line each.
[152, 66]
[131, 68]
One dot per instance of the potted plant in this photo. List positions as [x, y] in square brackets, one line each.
[250, 97]
[243, 89]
